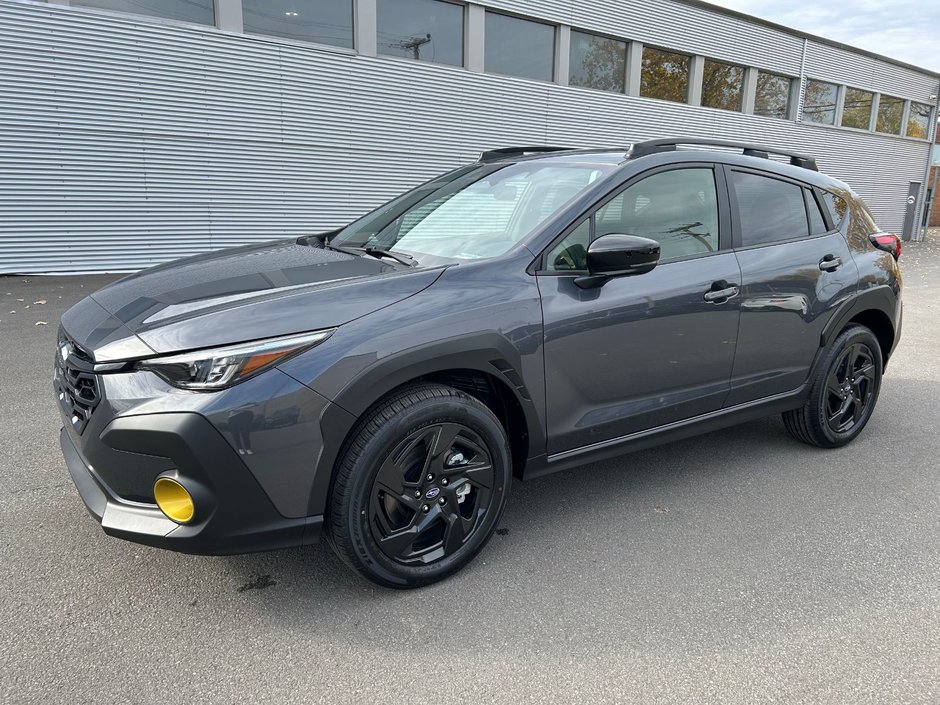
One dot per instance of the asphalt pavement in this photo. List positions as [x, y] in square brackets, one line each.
[737, 567]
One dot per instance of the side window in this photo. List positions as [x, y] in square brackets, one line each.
[769, 210]
[817, 224]
[570, 255]
[837, 207]
[678, 209]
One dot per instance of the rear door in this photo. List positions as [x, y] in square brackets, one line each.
[796, 269]
[647, 350]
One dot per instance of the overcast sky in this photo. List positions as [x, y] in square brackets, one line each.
[902, 29]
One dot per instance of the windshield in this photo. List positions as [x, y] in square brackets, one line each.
[472, 213]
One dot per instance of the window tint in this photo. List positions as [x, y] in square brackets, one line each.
[918, 123]
[817, 224]
[722, 86]
[518, 47]
[773, 95]
[571, 253]
[889, 115]
[678, 209]
[426, 30]
[320, 21]
[857, 109]
[836, 206]
[819, 104]
[198, 11]
[664, 75]
[769, 210]
[597, 62]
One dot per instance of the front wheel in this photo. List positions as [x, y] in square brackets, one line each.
[844, 392]
[420, 488]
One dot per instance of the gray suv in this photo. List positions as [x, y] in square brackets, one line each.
[537, 310]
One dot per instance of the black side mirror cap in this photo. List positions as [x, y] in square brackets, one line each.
[617, 255]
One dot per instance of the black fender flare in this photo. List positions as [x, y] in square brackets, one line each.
[490, 353]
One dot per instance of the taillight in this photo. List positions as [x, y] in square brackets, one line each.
[888, 243]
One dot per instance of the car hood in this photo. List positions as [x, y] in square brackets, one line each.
[234, 295]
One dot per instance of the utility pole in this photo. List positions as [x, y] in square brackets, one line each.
[414, 45]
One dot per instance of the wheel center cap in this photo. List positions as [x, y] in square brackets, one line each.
[432, 493]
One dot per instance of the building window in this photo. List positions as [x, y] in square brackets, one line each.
[518, 47]
[722, 86]
[665, 75]
[197, 11]
[319, 21]
[918, 122]
[856, 111]
[890, 111]
[426, 30]
[819, 104]
[597, 62]
[773, 95]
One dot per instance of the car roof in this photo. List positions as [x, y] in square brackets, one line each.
[621, 156]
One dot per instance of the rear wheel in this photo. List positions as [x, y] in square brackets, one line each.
[421, 486]
[844, 392]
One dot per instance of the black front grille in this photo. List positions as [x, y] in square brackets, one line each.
[75, 382]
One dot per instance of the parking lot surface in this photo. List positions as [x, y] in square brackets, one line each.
[737, 567]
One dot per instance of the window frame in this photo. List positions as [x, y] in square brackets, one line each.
[609, 37]
[741, 92]
[871, 109]
[539, 265]
[788, 107]
[835, 107]
[736, 214]
[690, 77]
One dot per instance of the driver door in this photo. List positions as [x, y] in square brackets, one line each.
[647, 350]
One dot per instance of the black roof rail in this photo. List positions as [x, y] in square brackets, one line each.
[493, 154]
[642, 149]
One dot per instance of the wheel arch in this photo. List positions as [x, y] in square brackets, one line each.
[876, 309]
[489, 372]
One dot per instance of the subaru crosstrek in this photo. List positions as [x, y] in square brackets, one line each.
[531, 312]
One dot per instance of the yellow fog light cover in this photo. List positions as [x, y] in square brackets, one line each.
[174, 500]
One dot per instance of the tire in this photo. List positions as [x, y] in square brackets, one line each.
[420, 486]
[838, 408]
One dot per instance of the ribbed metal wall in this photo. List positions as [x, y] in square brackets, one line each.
[125, 142]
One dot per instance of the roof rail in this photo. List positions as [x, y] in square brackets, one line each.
[493, 154]
[642, 149]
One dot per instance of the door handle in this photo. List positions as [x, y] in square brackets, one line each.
[719, 296]
[830, 263]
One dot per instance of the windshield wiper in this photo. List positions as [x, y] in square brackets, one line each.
[380, 252]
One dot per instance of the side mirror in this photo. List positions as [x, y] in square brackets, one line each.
[617, 255]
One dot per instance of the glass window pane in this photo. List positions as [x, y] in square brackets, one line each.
[770, 210]
[678, 209]
[819, 104]
[320, 21]
[890, 111]
[773, 95]
[518, 47]
[665, 75]
[817, 224]
[198, 11]
[570, 255]
[426, 30]
[722, 86]
[857, 109]
[837, 207]
[918, 123]
[597, 62]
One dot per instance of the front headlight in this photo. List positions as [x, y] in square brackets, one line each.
[209, 370]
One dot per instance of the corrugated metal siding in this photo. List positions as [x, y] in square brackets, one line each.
[124, 143]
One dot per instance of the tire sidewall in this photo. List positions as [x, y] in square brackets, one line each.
[366, 466]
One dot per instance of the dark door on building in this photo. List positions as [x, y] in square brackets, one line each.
[910, 212]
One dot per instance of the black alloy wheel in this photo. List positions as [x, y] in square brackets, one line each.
[422, 483]
[843, 394]
[849, 386]
[431, 493]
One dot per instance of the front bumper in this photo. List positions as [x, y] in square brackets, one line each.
[233, 513]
